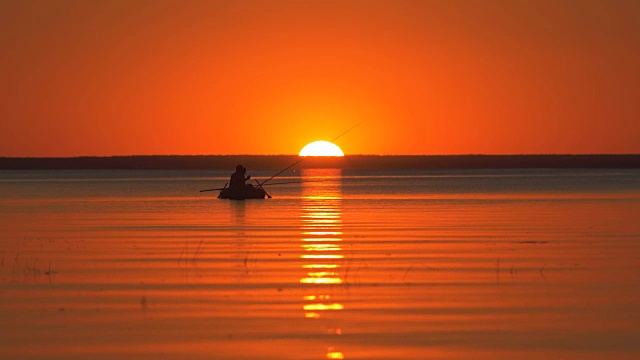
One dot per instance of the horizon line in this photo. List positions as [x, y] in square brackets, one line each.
[346, 155]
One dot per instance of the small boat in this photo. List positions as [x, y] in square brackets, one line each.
[249, 192]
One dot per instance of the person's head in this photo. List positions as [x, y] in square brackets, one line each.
[241, 169]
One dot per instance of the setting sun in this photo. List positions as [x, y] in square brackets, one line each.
[321, 148]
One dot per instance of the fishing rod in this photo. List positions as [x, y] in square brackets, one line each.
[263, 189]
[304, 157]
[295, 182]
[260, 184]
[212, 189]
[272, 184]
[222, 188]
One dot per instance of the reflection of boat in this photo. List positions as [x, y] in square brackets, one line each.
[248, 192]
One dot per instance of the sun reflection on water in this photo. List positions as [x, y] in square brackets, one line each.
[321, 238]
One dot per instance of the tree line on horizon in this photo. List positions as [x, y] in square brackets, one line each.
[275, 162]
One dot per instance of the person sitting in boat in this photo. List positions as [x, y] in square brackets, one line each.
[238, 180]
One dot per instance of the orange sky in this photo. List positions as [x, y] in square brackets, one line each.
[267, 77]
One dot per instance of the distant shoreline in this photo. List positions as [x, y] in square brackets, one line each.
[276, 162]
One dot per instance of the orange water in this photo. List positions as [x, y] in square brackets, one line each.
[336, 269]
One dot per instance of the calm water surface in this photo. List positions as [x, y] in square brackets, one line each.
[355, 265]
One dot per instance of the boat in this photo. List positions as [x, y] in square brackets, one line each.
[249, 192]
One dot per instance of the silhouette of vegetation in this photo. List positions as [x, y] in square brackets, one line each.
[275, 162]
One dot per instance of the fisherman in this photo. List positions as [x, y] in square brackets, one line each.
[238, 180]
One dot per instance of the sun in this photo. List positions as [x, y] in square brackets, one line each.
[321, 148]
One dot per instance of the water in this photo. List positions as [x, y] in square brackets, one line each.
[353, 265]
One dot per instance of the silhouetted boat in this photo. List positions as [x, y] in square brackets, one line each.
[242, 194]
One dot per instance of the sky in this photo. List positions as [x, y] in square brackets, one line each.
[101, 78]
